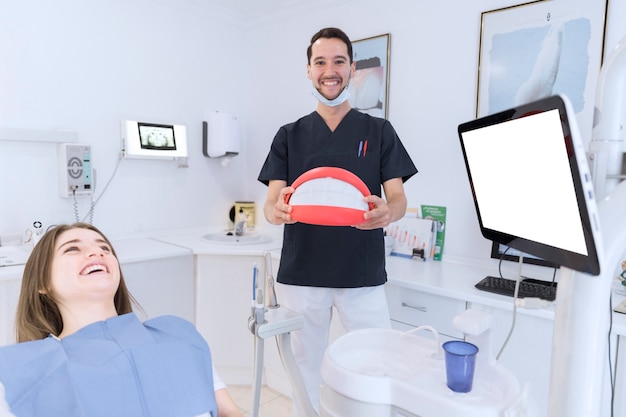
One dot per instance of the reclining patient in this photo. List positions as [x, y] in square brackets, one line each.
[81, 350]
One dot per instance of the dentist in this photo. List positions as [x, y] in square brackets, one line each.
[322, 267]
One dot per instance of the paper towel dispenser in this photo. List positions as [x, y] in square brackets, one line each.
[220, 135]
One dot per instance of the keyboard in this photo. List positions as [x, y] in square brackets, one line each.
[528, 287]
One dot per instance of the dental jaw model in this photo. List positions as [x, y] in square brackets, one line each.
[329, 196]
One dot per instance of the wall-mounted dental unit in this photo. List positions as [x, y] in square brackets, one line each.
[75, 170]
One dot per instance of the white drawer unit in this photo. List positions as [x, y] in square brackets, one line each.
[416, 308]
[9, 294]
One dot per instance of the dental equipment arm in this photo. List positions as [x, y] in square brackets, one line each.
[279, 322]
[581, 320]
[257, 317]
[272, 302]
[289, 363]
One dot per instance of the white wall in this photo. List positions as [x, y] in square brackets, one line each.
[84, 66]
[434, 55]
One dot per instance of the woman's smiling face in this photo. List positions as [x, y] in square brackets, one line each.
[84, 268]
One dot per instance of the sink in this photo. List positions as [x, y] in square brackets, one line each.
[378, 352]
[229, 238]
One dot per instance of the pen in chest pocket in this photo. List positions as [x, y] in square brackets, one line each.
[362, 148]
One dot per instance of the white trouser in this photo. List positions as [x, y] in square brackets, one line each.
[358, 308]
[4, 407]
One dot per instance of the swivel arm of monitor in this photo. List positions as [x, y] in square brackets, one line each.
[581, 319]
[607, 145]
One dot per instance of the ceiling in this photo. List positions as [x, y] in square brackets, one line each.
[253, 8]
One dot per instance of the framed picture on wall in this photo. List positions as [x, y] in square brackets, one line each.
[538, 49]
[369, 87]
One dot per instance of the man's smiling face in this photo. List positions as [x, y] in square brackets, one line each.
[330, 69]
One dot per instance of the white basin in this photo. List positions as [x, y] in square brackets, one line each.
[229, 238]
[376, 352]
[380, 371]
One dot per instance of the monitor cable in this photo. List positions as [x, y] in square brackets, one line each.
[537, 303]
[515, 293]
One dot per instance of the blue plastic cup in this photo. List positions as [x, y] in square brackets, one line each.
[460, 364]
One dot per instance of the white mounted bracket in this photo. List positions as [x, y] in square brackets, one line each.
[606, 149]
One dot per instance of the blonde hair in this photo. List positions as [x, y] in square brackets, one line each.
[37, 312]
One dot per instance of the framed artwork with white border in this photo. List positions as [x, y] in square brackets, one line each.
[369, 87]
[541, 48]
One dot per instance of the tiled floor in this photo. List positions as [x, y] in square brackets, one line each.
[272, 403]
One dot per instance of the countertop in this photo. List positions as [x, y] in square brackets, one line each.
[167, 244]
[195, 240]
[454, 279]
[450, 278]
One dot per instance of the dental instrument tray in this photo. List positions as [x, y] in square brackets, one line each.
[528, 287]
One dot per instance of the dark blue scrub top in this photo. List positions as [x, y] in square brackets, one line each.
[325, 256]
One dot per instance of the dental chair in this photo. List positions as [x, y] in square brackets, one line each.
[389, 373]
[386, 372]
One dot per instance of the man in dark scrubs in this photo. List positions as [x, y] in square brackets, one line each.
[334, 266]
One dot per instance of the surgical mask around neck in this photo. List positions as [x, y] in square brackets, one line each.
[341, 98]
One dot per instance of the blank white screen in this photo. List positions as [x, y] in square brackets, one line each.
[527, 190]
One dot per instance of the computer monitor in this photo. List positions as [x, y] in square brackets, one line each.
[531, 184]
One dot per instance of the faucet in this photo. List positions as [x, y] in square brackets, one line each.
[240, 227]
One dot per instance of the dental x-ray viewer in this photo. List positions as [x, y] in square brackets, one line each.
[81, 352]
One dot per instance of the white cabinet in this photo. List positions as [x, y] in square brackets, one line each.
[224, 297]
[416, 308]
[9, 294]
[527, 353]
[163, 286]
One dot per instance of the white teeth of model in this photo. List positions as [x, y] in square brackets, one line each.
[328, 192]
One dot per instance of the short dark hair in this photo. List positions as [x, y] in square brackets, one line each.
[329, 33]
